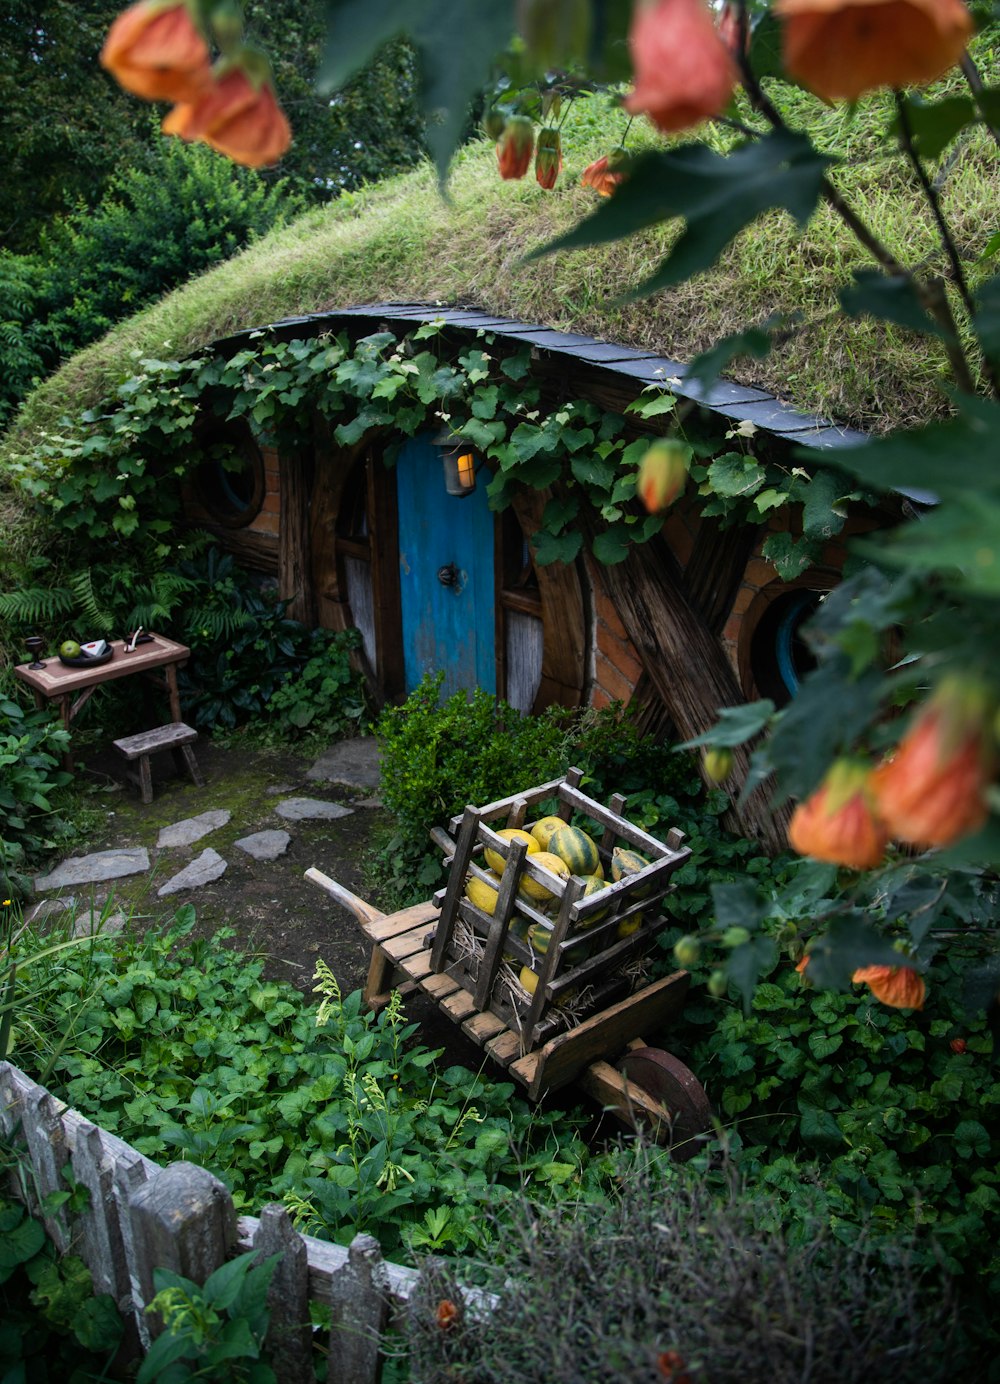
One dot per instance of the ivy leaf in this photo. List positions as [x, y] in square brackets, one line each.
[550, 547]
[733, 474]
[482, 434]
[934, 124]
[652, 407]
[891, 298]
[736, 725]
[791, 556]
[611, 546]
[455, 43]
[591, 471]
[825, 505]
[716, 194]
[527, 440]
[558, 512]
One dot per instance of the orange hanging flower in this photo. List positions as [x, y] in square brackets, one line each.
[602, 176]
[683, 71]
[668, 1363]
[663, 474]
[932, 791]
[900, 987]
[156, 50]
[238, 116]
[446, 1314]
[515, 147]
[839, 822]
[548, 158]
[842, 48]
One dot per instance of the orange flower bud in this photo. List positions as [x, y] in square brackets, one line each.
[842, 48]
[932, 791]
[663, 474]
[605, 174]
[958, 1045]
[515, 147]
[238, 115]
[683, 71]
[717, 763]
[900, 987]
[156, 50]
[446, 1315]
[839, 822]
[548, 158]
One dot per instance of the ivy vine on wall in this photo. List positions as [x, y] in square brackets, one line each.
[112, 475]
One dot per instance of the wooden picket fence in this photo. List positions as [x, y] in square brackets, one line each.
[141, 1217]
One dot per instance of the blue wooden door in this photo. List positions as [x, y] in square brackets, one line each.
[445, 575]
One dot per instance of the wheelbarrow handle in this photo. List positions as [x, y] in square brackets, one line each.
[364, 912]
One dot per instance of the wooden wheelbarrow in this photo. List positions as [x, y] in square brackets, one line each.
[645, 1087]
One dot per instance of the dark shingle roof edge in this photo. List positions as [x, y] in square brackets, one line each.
[735, 402]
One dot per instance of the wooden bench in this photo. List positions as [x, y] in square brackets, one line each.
[176, 737]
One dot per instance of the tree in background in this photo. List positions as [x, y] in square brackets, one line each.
[176, 212]
[67, 128]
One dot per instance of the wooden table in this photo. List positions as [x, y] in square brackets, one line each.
[73, 687]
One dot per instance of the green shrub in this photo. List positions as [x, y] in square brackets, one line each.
[437, 757]
[31, 746]
[668, 1280]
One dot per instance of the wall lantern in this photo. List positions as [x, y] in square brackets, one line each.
[460, 464]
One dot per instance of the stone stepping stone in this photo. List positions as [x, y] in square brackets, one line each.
[95, 868]
[203, 870]
[351, 762]
[311, 809]
[192, 829]
[264, 845]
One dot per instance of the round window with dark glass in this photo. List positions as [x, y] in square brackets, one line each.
[230, 482]
[779, 655]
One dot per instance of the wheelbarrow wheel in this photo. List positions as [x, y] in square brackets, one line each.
[674, 1086]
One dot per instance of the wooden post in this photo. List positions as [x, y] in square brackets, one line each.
[182, 1219]
[360, 1296]
[686, 664]
[289, 1333]
[46, 1142]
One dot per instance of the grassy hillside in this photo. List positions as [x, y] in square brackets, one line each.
[401, 239]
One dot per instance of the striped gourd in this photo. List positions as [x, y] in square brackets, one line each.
[495, 860]
[625, 863]
[577, 849]
[543, 829]
[554, 865]
[593, 884]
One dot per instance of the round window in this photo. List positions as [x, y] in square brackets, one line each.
[779, 655]
[230, 482]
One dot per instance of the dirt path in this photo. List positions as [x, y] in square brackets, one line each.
[272, 908]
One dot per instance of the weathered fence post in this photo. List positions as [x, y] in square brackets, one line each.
[289, 1333]
[43, 1133]
[182, 1219]
[360, 1292]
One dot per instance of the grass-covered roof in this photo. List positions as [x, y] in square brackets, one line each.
[401, 239]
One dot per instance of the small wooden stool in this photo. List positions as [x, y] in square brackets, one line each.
[176, 737]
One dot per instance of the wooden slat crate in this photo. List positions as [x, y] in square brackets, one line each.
[583, 968]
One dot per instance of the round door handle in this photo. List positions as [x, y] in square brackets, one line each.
[448, 576]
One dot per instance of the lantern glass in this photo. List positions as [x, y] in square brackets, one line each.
[459, 471]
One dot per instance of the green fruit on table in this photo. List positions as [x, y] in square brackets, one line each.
[70, 649]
